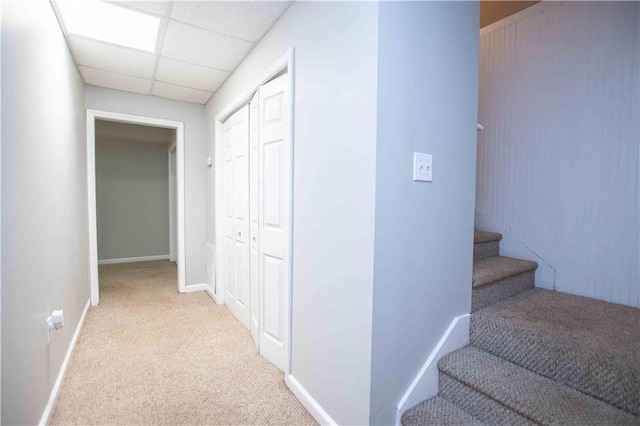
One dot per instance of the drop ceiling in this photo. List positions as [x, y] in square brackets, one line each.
[199, 44]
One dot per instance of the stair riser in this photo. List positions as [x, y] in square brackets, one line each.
[477, 404]
[594, 374]
[486, 250]
[500, 290]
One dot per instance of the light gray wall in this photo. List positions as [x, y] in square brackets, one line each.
[193, 116]
[132, 198]
[333, 197]
[558, 159]
[44, 205]
[427, 102]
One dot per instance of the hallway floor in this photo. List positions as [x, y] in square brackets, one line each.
[149, 355]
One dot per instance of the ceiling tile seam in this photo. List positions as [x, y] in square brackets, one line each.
[65, 34]
[194, 64]
[114, 72]
[127, 6]
[211, 31]
[107, 43]
[236, 67]
[147, 79]
[249, 51]
[177, 100]
[183, 86]
[160, 45]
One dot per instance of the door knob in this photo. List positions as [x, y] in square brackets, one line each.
[253, 239]
[239, 234]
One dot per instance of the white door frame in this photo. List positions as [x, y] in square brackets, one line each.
[92, 116]
[286, 61]
[172, 202]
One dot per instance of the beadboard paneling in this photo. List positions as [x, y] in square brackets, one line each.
[558, 161]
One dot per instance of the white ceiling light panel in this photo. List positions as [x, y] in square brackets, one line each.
[115, 81]
[202, 47]
[189, 75]
[108, 22]
[154, 7]
[180, 93]
[248, 20]
[109, 57]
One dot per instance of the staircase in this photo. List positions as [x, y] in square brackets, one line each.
[536, 356]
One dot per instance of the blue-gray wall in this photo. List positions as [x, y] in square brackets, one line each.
[45, 263]
[427, 102]
[558, 160]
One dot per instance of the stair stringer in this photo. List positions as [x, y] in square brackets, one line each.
[425, 384]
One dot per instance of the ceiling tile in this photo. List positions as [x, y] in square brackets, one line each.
[109, 57]
[189, 75]
[180, 93]
[202, 47]
[115, 81]
[154, 7]
[248, 20]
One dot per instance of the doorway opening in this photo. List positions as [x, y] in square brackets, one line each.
[135, 181]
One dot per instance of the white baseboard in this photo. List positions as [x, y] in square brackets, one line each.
[201, 287]
[211, 267]
[53, 398]
[133, 259]
[192, 288]
[312, 406]
[211, 294]
[425, 384]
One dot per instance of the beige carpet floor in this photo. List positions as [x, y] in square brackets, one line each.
[149, 355]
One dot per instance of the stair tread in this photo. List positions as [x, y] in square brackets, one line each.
[438, 411]
[485, 237]
[535, 397]
[587, 344]
[486, 271]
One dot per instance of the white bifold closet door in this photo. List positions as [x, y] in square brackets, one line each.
[236, 214]
[254, 212]
[274, 175]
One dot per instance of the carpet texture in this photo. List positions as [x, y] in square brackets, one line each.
[485, 245]
[589, 345]
[535, 398]
[438, 411]
[496, 291]
[536, 356]
[148, 355]
[497, 278]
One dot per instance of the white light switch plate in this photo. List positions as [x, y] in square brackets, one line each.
[422, 167]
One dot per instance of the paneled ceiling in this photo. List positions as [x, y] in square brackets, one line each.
[199, 44]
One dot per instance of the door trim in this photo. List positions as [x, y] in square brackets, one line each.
[285, 62]
[172, 202]
[92, 116]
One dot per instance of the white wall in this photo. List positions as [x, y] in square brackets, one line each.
[132, 198]
[44, 205]
[193, 116]
[558, 160]
[333, 196]
[427, 102]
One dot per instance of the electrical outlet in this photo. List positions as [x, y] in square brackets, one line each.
[54, 322]
[422, 167]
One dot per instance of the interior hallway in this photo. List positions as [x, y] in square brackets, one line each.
[149, 355]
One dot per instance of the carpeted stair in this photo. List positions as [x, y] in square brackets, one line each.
[536, 356]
